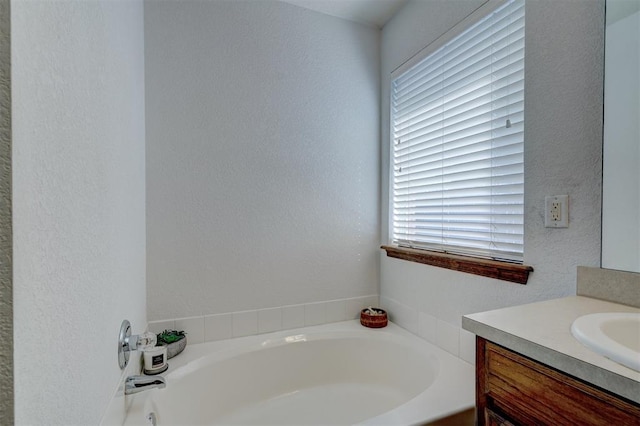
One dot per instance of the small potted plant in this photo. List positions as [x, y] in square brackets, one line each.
[174, 340]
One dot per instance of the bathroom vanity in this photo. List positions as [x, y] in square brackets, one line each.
[531, 370]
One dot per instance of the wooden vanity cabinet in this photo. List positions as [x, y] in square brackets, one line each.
[515, 390]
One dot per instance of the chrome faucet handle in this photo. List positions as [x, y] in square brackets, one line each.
[128, 343]
[142, 341]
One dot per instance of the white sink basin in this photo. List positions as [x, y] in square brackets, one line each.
[614, 335]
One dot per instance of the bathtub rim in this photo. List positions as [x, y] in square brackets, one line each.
[452, 390]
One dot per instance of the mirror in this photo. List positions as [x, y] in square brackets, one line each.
[621, 149]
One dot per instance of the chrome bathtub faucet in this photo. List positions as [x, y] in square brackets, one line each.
[136, 384]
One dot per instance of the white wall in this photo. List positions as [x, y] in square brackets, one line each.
[262, 157]
[563, 138]
[79, 191]
[621, 199]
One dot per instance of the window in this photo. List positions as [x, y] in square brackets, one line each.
[457, 119]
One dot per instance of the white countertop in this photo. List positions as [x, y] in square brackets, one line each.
[542, 331]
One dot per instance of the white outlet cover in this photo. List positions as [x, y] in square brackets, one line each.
[562, 201]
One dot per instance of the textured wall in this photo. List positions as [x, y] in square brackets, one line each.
[563, 151]
[6, 257]
[79, 213]
[262, 157]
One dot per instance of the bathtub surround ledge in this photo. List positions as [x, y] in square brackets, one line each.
[449, 337]
[208, 328]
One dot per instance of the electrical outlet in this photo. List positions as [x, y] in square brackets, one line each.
[556, 211]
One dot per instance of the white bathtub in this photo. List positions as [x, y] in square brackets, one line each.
[334, 374]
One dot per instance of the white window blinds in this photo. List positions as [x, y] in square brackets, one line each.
[457, 122]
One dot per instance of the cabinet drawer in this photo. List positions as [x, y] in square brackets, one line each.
[531, 393]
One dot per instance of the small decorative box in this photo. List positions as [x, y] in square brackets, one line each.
[373, 317]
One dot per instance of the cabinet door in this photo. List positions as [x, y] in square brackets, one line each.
[526, 392]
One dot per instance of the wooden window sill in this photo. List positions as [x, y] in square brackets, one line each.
[487, 268]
